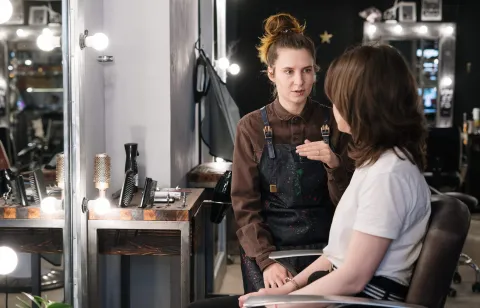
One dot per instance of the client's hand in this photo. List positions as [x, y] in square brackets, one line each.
[274, 276]
[283, 290]
[319, 150]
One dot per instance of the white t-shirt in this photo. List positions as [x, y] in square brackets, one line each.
[388, 199]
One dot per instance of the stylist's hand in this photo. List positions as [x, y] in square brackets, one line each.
[319, 150]
[274, 276]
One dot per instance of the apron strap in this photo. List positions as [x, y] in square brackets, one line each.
[268, 133]
[325, 129]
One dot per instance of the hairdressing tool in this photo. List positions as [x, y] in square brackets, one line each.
[37, 184]
[131, 151]
[101, 175]
[148, 193]
[221, 200]
[127, 193]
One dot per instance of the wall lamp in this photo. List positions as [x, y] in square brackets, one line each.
[98, 41]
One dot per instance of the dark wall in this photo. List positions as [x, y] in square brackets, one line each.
[251, 88]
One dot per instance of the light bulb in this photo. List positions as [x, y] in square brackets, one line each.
[21, 33]
[446, 81]
[398, 29]
[98, 41]
[8, 260]
[49, 205]
[47, 41]
[371, 29]
[6, 10]
[28, 62]
[422, 29]
[223, 63]
[101, 206]
[448, 30]
[234, 69]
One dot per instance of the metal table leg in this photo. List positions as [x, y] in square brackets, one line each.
[93, 279]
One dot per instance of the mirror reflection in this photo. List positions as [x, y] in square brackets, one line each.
[423, 57]
[31, 137]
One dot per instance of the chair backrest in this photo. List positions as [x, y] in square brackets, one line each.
[444, 149]
[443, 243]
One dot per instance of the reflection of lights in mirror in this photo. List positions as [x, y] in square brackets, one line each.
[234, 69]
[33, 114]
[8, 260]
[6, 10]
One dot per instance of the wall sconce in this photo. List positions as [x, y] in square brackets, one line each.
[98, 41]
[6, 10]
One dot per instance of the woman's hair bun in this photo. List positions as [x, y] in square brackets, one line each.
[282, 23]
[283, 28]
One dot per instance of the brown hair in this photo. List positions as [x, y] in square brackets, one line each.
[283, 31]
[376, 94]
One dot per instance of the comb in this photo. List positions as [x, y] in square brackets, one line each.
[37, 184]
[128, 187]
[326, 133]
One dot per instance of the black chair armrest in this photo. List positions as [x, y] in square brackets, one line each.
[294, 253]
[311, 300]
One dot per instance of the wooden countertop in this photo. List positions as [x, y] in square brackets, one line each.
[159, 212]
[28, 212]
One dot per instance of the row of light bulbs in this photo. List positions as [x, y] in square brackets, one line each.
[398, 29]
[224, 64]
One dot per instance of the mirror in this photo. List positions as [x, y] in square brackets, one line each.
[429, 48]
[31, 136]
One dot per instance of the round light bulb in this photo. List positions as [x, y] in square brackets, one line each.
[101, 206]
[447, 81]
[21, 33]
[234, 69]
[6, 11]
[371, 29]
[8, 260]
[422, 29]
[398, 29]
[47, 41]
[223, 63]
[28, 62]
[98, 41]
[448, 30]
[49, 205]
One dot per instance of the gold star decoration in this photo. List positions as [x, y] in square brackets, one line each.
[326, 37]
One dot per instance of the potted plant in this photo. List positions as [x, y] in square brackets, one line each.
[40, 302]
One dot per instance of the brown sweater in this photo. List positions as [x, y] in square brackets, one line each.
[253, 234]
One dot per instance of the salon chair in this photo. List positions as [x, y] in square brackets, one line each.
[446, 166]
[445, 159]
[432, 275]
[472, 203]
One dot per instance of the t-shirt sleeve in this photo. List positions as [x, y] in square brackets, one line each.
[382, 205]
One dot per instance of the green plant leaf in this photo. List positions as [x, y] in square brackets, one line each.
[36, 299]
[58, 305]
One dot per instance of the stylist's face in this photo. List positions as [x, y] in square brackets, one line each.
[341, 123]
[293, 74]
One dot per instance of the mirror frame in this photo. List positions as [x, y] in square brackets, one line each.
[385, 32]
